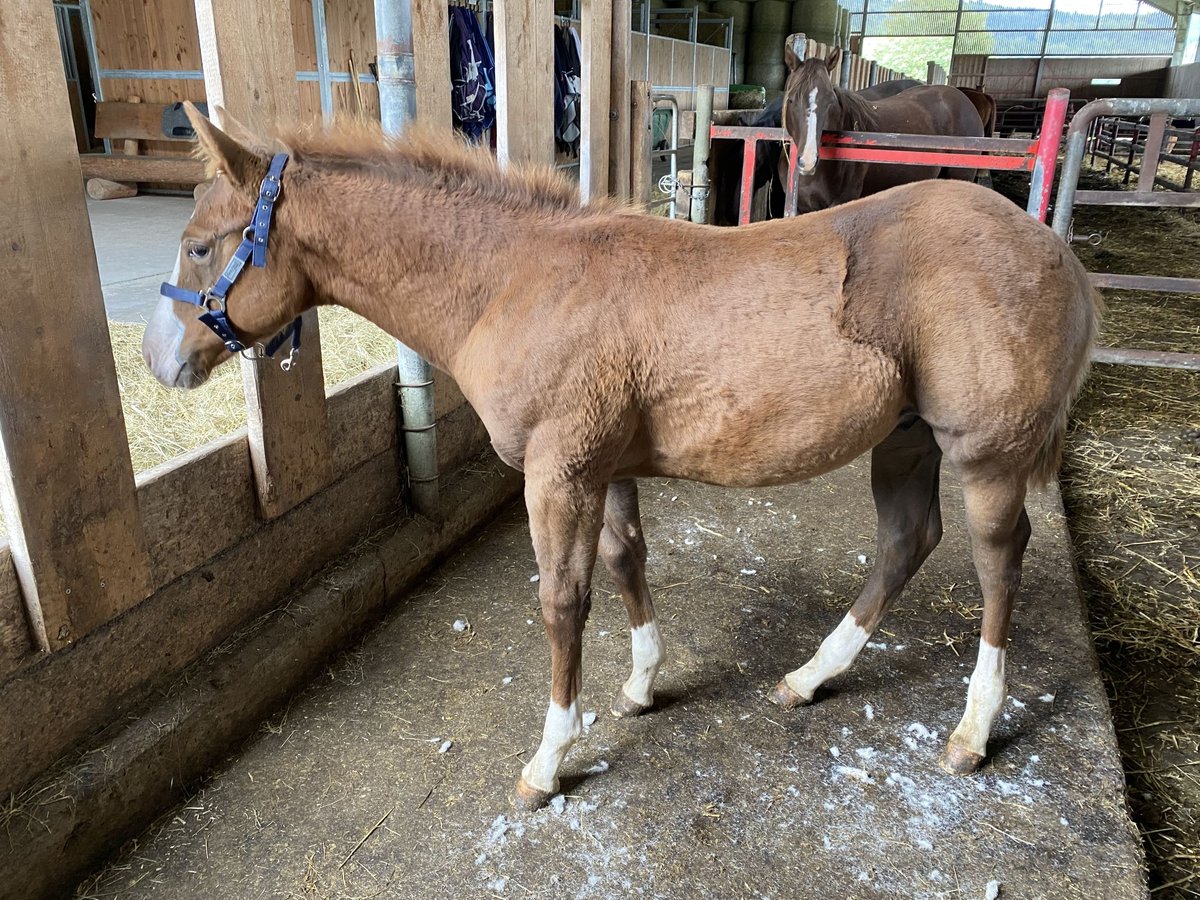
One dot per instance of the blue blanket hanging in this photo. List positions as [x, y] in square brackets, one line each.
[472, 75]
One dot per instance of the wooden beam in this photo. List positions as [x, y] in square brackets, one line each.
[249, 59]
[431, 62]
[150, 169]
[641, 124]
[77, 540]
[525, 81]
[618, 159]
[127, 119]
[597, 98]
[103, 189]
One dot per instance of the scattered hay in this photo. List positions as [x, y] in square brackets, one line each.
[163, 423]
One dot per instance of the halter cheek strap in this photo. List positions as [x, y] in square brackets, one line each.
[252, 249]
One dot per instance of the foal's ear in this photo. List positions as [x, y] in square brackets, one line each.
[790, 57]
[244, 166]
[835, 60]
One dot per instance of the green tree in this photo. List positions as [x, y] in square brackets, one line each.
[910, 55]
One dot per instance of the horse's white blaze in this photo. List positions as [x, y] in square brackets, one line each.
[164, 336]
[648, 654]
[562, 729]
[833, 657]
[985, 697]
[812, 137]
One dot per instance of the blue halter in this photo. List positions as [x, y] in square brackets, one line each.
[253, 248]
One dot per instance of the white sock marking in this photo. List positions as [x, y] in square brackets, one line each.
[833, 657]
[649, 651]
[985, 697]
[562, 729]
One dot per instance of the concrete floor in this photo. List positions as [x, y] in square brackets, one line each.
[715, 792]
[136, 243]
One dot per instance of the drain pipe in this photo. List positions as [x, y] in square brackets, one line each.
[397, 108]
[700, 150]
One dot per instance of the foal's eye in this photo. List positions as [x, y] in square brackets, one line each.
[197, 251]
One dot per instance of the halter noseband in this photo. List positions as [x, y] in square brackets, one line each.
[253, 248]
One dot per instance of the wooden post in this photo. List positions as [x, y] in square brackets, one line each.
[618, 159]
[641, 121]
[250, 69]
[1151, 151]
[67, 486]
[525, 80]
[431, 62]
[597, 98]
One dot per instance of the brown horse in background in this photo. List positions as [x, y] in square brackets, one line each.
[813, 104]
[598, 346]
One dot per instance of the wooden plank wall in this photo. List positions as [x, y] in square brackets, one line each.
[668, 67]
[162, 36]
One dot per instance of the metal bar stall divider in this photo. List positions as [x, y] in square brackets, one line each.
[1108, 134]
[1069, 196]
[672, 152]
[1038, 157]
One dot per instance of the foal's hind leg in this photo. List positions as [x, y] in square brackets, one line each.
[999, 529]
[623, 549]
[904, 481]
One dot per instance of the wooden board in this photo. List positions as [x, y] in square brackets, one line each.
[77, 539]
[149, 169]
[249, 56]
[431, 62]
[103, 676]
[597, 98]
[141, 121]
[618, 153]
[524, 81]
[106, 675]
[16, 642]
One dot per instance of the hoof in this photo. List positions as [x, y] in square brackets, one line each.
[958, 761]
[526, 798]
[787, 698]
[624, 708]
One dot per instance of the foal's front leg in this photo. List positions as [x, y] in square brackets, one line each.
[565, 518]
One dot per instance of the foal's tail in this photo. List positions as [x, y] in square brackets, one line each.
[1048, 459]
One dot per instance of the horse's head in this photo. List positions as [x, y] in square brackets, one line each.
[179, 348]
[811, 104]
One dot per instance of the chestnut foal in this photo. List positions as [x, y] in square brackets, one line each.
[599, 345]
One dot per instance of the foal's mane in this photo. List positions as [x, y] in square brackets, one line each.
[441, 160]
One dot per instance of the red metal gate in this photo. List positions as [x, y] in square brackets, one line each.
[1038, 157]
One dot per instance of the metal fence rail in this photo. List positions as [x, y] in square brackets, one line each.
[1119, 142]
[1038, 157]
[1069, 196]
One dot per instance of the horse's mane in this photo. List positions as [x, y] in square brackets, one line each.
[440, 159]
[858, 109]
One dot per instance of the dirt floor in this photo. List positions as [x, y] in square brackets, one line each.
[389, 776]
[1131, 484]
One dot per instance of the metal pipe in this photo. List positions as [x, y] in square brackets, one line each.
[1077, 142]
[1041, 182]
[397, 108]
[700, 150]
